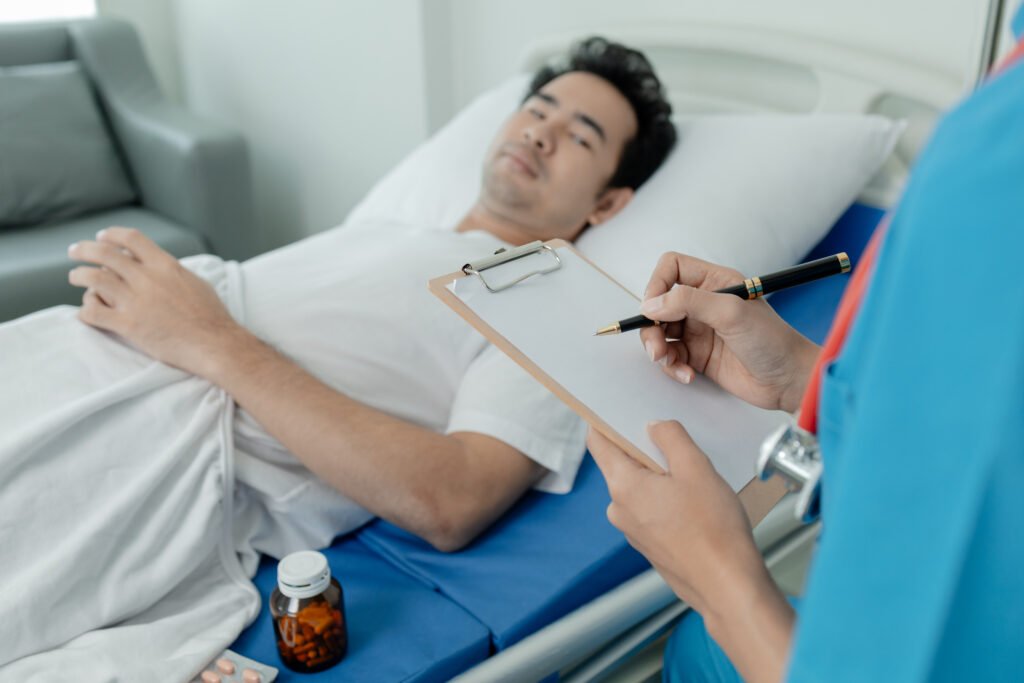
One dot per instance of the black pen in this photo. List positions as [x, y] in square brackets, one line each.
[755, 287]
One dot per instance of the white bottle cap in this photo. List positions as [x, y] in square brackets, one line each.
[303, 574]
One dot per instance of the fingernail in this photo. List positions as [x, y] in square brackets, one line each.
[653, 305]
[653, 423]
[663, 361]
[72, 247]
[101, 233]
[650, 350]
[683, 376]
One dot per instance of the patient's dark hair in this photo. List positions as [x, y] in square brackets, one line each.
[633, 76]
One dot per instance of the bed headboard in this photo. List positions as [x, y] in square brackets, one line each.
[729, 69]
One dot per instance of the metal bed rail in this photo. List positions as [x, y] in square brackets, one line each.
[597, 638]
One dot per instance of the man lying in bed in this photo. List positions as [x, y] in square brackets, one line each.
[358, 394]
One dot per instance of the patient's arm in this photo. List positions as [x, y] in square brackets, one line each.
[445, 489]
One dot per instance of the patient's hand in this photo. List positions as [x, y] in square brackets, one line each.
[744, 346]
[142, 293]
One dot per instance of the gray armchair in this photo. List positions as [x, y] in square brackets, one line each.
[186, 181]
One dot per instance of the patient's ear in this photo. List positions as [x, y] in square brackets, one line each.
[609, 202]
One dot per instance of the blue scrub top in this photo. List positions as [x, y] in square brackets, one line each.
[919, 575]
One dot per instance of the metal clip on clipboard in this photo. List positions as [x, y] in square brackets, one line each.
[504, 255]
[793, 453]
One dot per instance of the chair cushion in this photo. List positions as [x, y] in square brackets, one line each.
[34, 261]
[57, 159]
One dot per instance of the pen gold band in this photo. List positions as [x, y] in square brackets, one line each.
[844, 262]
[754, 288]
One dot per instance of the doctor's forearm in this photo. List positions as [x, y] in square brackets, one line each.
[414, 477]
[754, 626]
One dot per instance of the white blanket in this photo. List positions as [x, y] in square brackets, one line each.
[121, 518]
[116, 559]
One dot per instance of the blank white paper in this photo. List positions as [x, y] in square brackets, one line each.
[552, 319]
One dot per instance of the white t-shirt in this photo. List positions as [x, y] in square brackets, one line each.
[352, 307]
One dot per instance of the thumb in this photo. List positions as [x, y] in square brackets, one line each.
[681, 453]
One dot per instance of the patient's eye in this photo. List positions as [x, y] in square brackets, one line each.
[580, 140]
[537, 113]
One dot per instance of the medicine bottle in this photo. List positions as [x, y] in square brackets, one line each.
[309, 613]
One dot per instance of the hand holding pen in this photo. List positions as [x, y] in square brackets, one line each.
[754, 287]
[743, 346]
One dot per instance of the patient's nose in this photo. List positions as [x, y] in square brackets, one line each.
[539, 137]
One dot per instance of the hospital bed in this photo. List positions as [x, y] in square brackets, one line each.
[552, 591]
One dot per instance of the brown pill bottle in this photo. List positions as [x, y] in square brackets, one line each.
[308, 610]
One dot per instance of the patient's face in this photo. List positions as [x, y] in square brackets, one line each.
[549, 166]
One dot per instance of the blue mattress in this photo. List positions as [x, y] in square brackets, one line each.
[415, 614]
[392, 622]
[810, 308]
[548, 556]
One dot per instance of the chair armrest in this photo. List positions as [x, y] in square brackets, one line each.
[186, 168]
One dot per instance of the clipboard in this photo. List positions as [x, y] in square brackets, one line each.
[541, 303]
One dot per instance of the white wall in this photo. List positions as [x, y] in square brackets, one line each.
[487, 37]
[155, 22]
[329, 94]
[332, 93]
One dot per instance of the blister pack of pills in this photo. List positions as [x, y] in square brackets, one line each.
[231, 667]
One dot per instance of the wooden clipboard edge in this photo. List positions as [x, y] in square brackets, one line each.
[757, 497]
[439, 287]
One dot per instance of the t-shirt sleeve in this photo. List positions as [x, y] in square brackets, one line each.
[500, 399]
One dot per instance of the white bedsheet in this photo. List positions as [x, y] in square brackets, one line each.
[115, 483]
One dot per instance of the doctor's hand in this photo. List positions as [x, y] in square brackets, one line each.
[693, 529]
[743, 346]
[142, 293]
[688, 521]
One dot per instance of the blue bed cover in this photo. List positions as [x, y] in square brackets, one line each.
[415, 614]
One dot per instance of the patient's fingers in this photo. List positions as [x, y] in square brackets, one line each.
[132, 239]
[106, 283]
[95, 312]
[117, 259]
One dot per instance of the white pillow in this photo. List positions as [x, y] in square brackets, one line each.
[754, 192]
